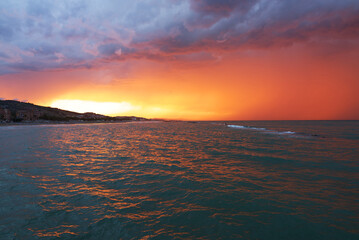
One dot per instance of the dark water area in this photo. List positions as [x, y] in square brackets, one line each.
[180, 180]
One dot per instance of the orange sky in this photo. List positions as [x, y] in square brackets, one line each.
[283, 84]
[316, 78]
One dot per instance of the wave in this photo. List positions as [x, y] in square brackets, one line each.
[263, 129]
[239, 126]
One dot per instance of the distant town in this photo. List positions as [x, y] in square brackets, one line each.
[12, 111]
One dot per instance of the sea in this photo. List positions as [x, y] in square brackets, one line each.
[180, 180]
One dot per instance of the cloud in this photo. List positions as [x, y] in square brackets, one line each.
[48, 35]
[118, 52]
[60, 57]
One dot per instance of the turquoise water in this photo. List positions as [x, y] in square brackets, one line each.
[179, 180]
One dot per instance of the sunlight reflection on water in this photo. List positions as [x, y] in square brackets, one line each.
[168, 180]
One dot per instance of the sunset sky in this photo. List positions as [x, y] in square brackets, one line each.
[184, 59]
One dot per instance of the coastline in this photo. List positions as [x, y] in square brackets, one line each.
[29, 123]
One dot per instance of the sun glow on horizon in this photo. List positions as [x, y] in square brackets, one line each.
[128, 109]
[106, 108]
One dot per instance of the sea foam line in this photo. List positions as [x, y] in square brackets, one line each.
[262, 129]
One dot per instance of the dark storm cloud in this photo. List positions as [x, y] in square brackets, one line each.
[44, 35]
[224, 7]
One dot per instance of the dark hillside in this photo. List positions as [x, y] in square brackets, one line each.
[15, 111]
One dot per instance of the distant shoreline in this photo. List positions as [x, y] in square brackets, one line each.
[63, 122]
[19, 113]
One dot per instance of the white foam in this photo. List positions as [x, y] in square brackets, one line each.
[289, 132]
[236, 126]
[280, 133]
[239, 126]
[262, 130]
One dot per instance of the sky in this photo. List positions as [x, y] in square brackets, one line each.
[184, 59]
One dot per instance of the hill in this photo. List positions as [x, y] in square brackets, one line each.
[15, 111]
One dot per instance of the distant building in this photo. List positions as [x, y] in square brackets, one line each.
[5, 114]
[2, 113]
[25, 115]
[36, 114]
[91, 116]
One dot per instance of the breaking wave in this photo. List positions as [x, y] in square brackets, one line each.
[263, 130]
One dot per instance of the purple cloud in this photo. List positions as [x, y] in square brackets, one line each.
[49, 35]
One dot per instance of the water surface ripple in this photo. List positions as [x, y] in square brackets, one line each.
[180, 181]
